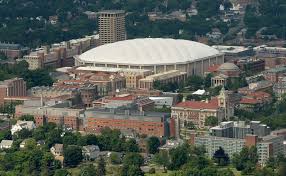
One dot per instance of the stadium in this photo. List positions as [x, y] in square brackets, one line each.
[156, 54]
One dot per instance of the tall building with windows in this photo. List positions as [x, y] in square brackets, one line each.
[111, 26]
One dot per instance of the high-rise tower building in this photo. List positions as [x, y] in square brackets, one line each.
[111, 26]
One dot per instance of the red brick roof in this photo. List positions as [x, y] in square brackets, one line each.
[213, 68]
[259, 94]
[248, 101]
[212, 104]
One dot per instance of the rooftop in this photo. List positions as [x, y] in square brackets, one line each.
[230, 49]
[149, 51]
[212, 104]
[164, 75]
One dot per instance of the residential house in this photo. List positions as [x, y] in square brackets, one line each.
[57, 149]
[90, 152]
[6, 144]
[29, 125]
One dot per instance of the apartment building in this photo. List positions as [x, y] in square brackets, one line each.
[12, 87]
[13, 51]
[60, 54]
[111, 26]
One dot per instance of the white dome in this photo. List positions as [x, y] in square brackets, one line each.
[149, 51]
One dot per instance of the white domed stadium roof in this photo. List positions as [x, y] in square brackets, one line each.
[149, 51]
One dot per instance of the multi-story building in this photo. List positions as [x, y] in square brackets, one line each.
[111, 26]
[264, 51]
[255, 101]
[233, 136]
[13, 51]
[52, 92]
[173, 76]
[250, 64]
[234, 52]
[12, 87]
[60, 54]
[132, 76]
[280, 88]
[275, 74]
[194, 113]
[239, 129]
[213, 143]
[151, 124]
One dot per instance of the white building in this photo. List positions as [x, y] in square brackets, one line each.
[6, 144]
[161, 101]
[30, 125]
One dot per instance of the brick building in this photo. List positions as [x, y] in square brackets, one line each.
[13, 51]
[173, 76]
[151, 124]
[12, 87]
[275, 74]
[194, 113]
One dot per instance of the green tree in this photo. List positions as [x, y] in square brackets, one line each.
[72, 156]
[179, 156]
[115, 158]
[133, 159]
[131, 146]
[101, 167]
[211, 121]
[61, 172]
[27, 117]
[220, 157]
[153, 143]
[23, 134]
[195, 82]
[69, 139]
[162, 158]
[88, 170]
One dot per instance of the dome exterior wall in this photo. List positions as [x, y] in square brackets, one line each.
[156, 54]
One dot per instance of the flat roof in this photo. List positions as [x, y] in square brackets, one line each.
[110, 69]
[230, 49]
[164, 75]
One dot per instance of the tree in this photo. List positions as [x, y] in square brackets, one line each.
[88, 170]
[114, 158]
[153, 143]
[220, 157]
[23, 134]
[27, 117]
[282, 169]
[131, 146]
[246, 160]
[61, 172]
[195, 82]
[132, 170]
[133, 159]
[131, 165]
[208, 80]
[72, 155]
[162, 158]
[178, 156]
[69, 139]
[211, 121]
[101, 167]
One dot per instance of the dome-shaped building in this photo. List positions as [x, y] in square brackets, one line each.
[155, 54]
[229, 69]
